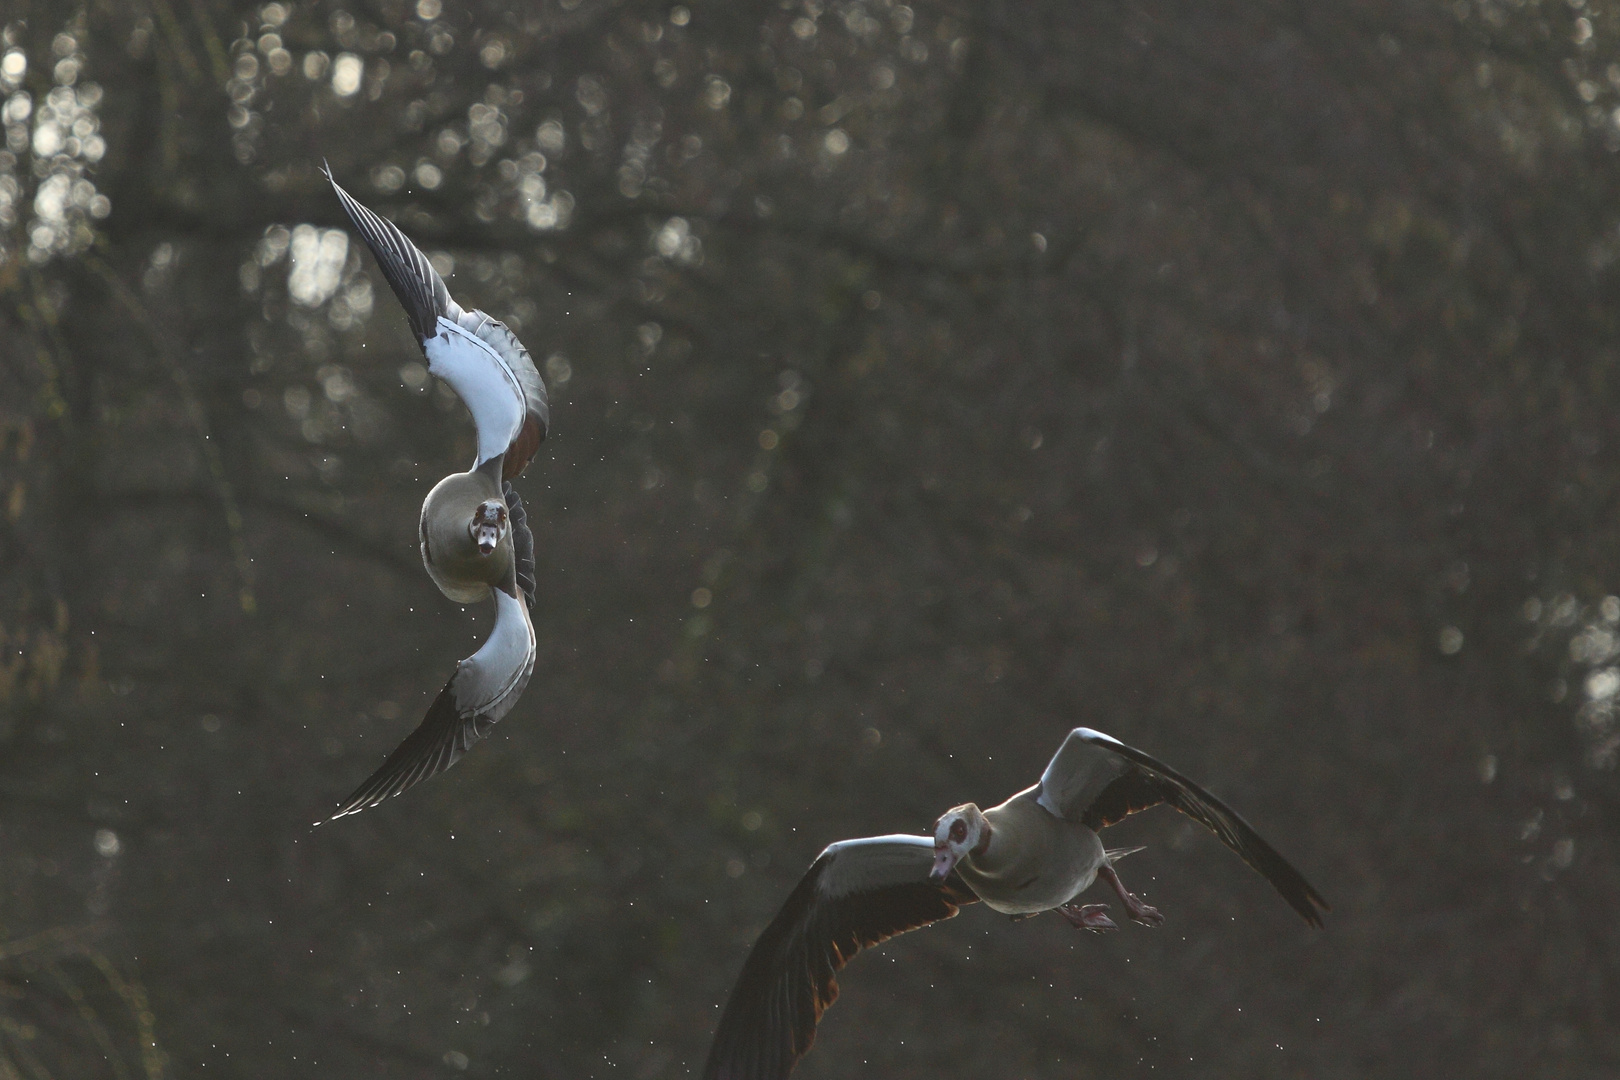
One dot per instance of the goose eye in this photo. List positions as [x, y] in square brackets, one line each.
[958, 831]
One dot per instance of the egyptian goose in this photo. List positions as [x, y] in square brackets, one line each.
[1035, 852]
[475, 537]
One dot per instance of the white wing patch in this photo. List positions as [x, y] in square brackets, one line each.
[488, 682]
[1078, 773]
[483, 381]
[875, 862]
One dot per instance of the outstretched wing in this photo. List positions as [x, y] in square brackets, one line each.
[482, 691]
[421, 291]
[476, 354]
[1096, 780]
[856, 894]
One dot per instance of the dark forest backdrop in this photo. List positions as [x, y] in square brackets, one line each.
[1239, 377]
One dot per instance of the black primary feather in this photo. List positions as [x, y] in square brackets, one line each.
[1147, 782]
[421, 291]
[437, 743]
[789, 978]
[522, 541]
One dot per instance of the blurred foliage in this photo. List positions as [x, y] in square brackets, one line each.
[67, 1003]
[1239, 378]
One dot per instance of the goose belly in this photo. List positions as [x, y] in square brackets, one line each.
[1039, 894]
[1050, 875]
[452, 559]
[457, 591]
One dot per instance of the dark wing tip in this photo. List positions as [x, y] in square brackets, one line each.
[1152, 782]
[1289, 883]
[1310, 904]
[420, 289]
[789, 978]
[437, 743]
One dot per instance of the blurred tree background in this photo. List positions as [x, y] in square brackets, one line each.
[1237, 377]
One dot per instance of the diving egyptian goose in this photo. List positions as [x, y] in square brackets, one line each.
[1035, 852]
[475, 537]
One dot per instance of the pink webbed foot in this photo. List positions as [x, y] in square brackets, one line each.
[1142, 913]
[1093, 917]
[1139, 912]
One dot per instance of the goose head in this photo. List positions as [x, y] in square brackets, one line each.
[489, 524]
[958, 833]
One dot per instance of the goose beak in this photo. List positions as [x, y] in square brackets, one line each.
[944, 863]
[486, 537]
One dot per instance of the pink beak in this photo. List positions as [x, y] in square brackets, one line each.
[944, 863]
[487, 537]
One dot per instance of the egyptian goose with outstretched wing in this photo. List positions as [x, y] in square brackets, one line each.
[1035, 852]
[475, 538]
[483, 688]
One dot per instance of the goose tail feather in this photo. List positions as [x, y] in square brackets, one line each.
[1113, 855]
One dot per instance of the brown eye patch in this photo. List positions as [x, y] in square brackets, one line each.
[959, 831]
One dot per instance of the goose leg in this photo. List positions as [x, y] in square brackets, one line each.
[1140, 912]
[1088, 917]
